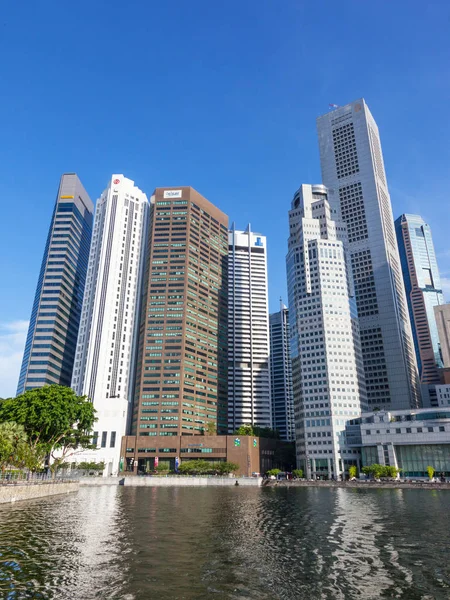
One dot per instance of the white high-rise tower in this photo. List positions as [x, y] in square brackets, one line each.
[105, 355]
[353, 168]
[248, 331]
[327, 368]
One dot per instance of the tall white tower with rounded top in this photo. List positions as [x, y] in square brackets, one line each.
[105, 355]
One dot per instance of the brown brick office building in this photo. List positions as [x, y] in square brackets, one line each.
[252, 454]
[181, 375]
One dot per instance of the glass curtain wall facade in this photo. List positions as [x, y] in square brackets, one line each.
[281, 375]
[52, 334]
[181, 367]
[248, 331]
[423, 292]
[352, 165]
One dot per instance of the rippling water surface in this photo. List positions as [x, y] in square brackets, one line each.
[200, 543]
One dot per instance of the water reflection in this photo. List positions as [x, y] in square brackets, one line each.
[194, 544]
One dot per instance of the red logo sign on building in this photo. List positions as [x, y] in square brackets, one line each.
[116, 181]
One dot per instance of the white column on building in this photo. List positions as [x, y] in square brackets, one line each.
[105, 356]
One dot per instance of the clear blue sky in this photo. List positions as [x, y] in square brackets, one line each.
[222, 96]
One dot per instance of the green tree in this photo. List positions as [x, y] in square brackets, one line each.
[430, 471]
[163, 467]
[253, 430]
[391, 471]
[32, 457]
[352, 470]
[55, 418]
[378, 471]
[245, 430]
[224, 468]
[12, 439]
[88, 466]
[210, 429]
[298, 473]
[273, 472]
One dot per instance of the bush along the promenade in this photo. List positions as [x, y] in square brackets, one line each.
[377, 471]
[430, 471]
[87, 466]
[298, 473]
[352, 471]
[273, 472]
[202, 467]
[56, 422]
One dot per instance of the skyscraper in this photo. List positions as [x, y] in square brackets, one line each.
[52, 333]
[442, 316]
[105, 356]
[328, 373]
[281, 375]
[181, 370]
[423, 292]
[352, 166]
[248, 331]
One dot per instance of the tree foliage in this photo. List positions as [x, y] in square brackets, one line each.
[253, 430]
[273, 472]
[56, 421]
[298, 473]
[430, 471]
[210, 428]
[352, 471]
[87, 466]
[12, 440]
[203, 467]
[378, 471]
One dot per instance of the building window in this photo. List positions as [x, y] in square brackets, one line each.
[104, 435]
[112, 442]
[95, 438]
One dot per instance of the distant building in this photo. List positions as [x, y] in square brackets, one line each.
[248, 331]
[105, 357]
[253, 455]
[352, 166]
[442, 316]
[423, 291]
[327, 367]
[410, 440]
[181, 375]
[281, 375]
[55, 317]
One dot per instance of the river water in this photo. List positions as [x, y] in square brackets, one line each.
[238, 543]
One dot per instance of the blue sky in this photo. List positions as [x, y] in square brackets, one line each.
[220, 96]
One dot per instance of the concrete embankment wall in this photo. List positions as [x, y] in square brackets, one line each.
[17, 492]
[133, 481]
[191, 481]
[100, 480]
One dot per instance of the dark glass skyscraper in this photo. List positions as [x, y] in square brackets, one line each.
[423, 291]
[281, 374]
[52, 334]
